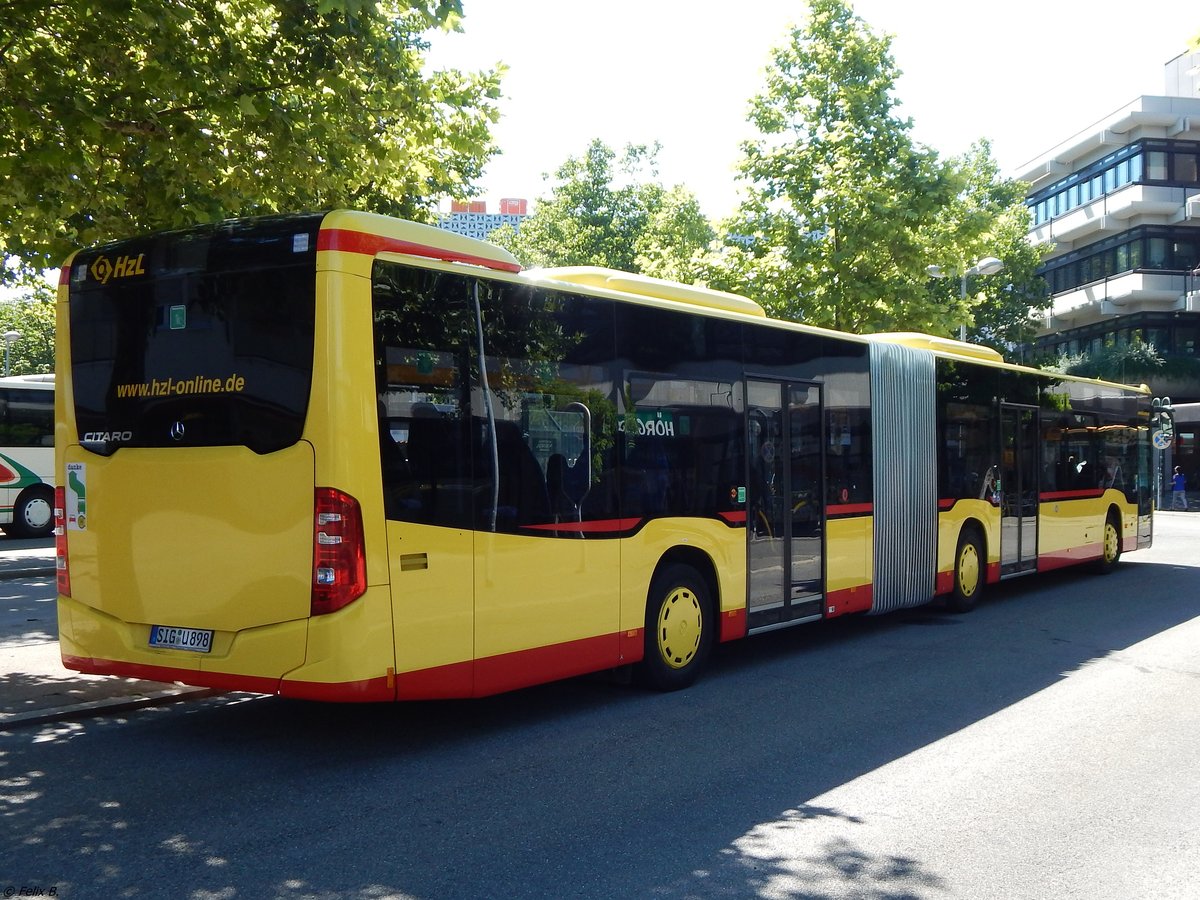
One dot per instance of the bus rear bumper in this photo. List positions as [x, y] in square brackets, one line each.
[94, 643]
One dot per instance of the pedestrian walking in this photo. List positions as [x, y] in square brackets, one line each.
[1178, 489]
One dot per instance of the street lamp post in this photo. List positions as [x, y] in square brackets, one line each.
[10, 337]
[989, 265]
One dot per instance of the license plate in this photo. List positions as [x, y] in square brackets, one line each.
[197, 640]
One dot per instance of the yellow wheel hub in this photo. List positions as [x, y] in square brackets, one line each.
[968, 570]
[1111, 542]
[680, 623]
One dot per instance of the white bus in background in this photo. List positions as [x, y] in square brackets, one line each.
[27, 455]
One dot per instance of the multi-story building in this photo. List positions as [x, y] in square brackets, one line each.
[470, 217]
[1120, 205]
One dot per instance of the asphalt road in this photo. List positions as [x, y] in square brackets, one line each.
[1045, 745]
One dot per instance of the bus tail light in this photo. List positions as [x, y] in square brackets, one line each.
[61, 566]
[339, 558]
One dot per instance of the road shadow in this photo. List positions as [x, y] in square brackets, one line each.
[586, 788]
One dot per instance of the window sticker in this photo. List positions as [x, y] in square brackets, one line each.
[76, 511]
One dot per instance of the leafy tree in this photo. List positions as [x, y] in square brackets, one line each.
[606, 210]
[989, 218]
[118, 117]
[33, 318]
[843, 212]
[676, 235]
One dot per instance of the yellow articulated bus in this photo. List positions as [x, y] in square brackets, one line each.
[345, 457]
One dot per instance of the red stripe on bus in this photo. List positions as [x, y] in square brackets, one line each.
[849, 600]
[64, 276]
[848, 509]
[733, 625]
[367, 690]
[370, 690]
[736, 517]
[537, 665]
[195, 677]
[370, 244]
[632, 645]
[1091, 493]
[1058, 559]
[593, 525]
[522, 668]
[437, 683]
[943, 583]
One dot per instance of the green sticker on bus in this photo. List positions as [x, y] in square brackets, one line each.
[178, 318]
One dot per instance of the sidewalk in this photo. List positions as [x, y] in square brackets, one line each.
[35, 688]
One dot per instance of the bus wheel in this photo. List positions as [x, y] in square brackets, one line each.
[33, 516]
[1110, 553]
[969, 569]
[678, 629]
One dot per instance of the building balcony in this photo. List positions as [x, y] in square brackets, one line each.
[1149, 204]
[1147, 116]
[1120, 295]
[1189, 214]
[1145, 200]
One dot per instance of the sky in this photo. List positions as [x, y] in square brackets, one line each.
[1025, 74]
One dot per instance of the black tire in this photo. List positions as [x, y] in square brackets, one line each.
[679, 629]
[33, 513]
[1110, 546]
[970, 572]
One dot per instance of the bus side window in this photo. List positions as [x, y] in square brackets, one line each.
[567, 486]
[646, 478]
[398, 493]
[522, 495]
[441, 490]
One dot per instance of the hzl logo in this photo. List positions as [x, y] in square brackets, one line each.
[103, 269]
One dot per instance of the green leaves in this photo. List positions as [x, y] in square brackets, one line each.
[33, 318]
[604, 210]
[164, 114]
[844, 212]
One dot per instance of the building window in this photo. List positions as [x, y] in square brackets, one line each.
[1156, 253]
[1186, 168]
[1185, 340]
[1156, 166]
[1160, 338]
[1184, 255]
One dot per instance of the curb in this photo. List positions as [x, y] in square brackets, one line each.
[100, 707]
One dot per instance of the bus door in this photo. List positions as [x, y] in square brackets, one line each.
[784, 502]
[1018, 489]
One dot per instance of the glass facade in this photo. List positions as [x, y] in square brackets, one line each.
[1171, 334]
[1173, 163]
[1145, 249]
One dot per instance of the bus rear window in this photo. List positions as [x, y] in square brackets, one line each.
[196, 339]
